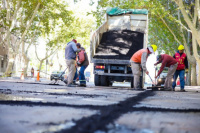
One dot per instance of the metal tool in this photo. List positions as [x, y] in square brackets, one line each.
[155, 75]
[151, 80]
[56, 81]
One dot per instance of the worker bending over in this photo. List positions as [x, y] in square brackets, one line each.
[167, 61]
[138, 60]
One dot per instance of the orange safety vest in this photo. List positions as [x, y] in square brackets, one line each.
[138, 55]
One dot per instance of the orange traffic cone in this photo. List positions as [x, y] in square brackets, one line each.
[38, 76]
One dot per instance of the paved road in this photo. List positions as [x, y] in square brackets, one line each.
[40, 107]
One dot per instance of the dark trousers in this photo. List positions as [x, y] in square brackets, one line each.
[82, 75]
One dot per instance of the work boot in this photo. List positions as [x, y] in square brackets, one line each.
[82, 85]
[139, 89]
[182, 90]
[74, 83]
[167, 89]
[71, 85]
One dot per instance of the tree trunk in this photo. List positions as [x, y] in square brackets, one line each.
[60, 65]
[189, 75]
[198, 77]
[193, 75]
[11, 59]
[25, 57]
[26, 61]
[41, 61]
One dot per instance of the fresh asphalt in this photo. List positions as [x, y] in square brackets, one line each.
[39, 107]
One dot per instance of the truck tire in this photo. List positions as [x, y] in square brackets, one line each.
[104, 81]
[110, 83]
[97, 79]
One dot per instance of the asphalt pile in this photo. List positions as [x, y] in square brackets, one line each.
[120, 44]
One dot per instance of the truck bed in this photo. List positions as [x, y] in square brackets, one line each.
[120, 45]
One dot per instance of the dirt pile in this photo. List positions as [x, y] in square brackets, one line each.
[119, 44]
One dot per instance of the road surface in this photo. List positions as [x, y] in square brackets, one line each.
[31, 107]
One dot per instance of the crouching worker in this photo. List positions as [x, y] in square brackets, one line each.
[167, 61]
[83, 62]
[139, 59]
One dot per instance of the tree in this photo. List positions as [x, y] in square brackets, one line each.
[193, 22]
[28, 20]
[10, 26]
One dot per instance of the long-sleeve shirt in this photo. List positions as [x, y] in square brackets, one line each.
[140, 57]
[167, 61]
[185, 61]
[144, 60]
[70, 50]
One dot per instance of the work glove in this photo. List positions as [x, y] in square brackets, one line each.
[147, 72]
[186, 70]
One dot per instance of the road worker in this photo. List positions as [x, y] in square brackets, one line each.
[181, 58]
[70, 56]
[167, 61]
[138, 60]
[82, 62]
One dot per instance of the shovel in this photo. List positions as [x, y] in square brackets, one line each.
[151, 80]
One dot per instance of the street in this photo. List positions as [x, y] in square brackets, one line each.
[31, 107]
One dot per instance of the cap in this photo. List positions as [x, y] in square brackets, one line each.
[151, 49]
[74, 40]
[78, 44]
[158, 57]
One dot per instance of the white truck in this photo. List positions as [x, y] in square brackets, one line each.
[110, 67]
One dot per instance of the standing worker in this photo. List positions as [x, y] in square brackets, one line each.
[167, 61]
[181, 58]
[140, 58]
[83, 62]
[70, 57]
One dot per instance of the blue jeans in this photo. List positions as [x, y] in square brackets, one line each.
[81, 75]
[181, 74]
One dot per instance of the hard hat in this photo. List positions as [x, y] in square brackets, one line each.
[181, 47]
[154, 47]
